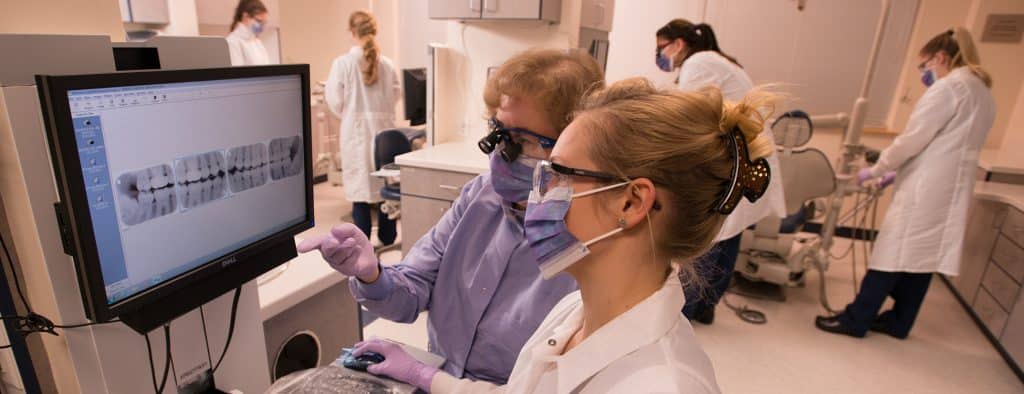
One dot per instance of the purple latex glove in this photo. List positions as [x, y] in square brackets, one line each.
[347, 250]
[887, 179]
[397, 364]
[864, 175]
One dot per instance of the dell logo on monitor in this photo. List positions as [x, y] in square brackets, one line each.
[228, 261]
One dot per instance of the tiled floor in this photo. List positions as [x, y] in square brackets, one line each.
[946, 352]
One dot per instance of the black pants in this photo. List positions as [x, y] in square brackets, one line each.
[386, 228]
[716, 266]
[906, 288]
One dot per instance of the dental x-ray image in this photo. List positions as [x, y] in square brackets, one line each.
[247, 167]
[285, 157]
[145, 194]
[200, 178]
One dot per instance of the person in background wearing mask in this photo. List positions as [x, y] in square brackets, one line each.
[474, 270]
[362, 89]
[936, 158]
[244, 44]
[613, 209]
[693, 49]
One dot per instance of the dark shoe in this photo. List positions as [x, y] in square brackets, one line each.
[832, 325]
[705, 316]
[879, 325]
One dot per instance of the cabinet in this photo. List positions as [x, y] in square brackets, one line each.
[145, 11]
[597, 15]
[545, 10]
[992, 271]
[426, 195]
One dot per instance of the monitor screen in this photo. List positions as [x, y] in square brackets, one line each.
[415, 86]
[179, 174]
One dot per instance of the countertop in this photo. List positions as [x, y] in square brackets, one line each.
[462, 156]
[294, 281]
[1005, 193]
[1001, 161]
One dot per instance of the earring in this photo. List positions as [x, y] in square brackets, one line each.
[622, 222]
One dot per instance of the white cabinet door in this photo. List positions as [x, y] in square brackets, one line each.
[512, 9]
[454, 9]
[150, 11]
[597, 14]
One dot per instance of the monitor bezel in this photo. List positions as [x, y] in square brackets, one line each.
[242, 264]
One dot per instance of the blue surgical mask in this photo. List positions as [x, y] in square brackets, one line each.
[928, 77]
[664, 62]
[256, 27]
[548, 238]
[512, 181]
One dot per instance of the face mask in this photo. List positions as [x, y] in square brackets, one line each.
[512, 181]
[928, 77]
[554, 247]
[664, 62]
[256, 27]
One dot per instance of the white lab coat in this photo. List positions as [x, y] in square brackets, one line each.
[709, 68]
[936, 160]
[364, 112]
[650, 348]
[245, 48]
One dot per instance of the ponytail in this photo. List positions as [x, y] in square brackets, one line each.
[969, 55]
[364, 26]
[698, 38]
[959, 46]
[246, 7]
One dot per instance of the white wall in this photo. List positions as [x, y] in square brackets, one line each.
[480, 45]
[183, 18]
[632, 38]
[415, 32]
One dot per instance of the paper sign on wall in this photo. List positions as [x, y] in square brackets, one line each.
[1003, 28]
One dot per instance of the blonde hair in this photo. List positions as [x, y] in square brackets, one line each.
[364, 26]
[958, 44]
[556, 79]
[678, 140]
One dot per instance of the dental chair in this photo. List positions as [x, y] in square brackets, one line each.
[388, 144]
[767, 255]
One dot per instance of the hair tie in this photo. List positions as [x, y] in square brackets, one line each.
[749, 178]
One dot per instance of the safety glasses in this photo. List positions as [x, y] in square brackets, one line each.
[550, 176]
[515, 141]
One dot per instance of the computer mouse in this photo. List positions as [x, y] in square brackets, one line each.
[361, 362]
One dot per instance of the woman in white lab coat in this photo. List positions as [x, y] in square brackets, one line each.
[244, 44]
[613, 210]
[693, 50]
[935, 161]
[362, 90]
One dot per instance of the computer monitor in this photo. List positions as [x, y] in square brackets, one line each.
[177, 186]
[415, 83]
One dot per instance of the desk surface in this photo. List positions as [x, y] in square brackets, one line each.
[1001, 161]
[294, 281]
[1005, 193]
[463, 156]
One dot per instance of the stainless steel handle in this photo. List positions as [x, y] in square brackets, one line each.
[449, 187]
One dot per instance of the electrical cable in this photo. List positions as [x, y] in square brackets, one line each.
[167, 362]
[746, 314]
[14, 274]
[231, 327]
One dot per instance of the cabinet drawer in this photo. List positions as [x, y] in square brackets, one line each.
[441, 185]
[990, 313]
[419, 215]
[1011, 257]
[1000, 286]
[1013, 227]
